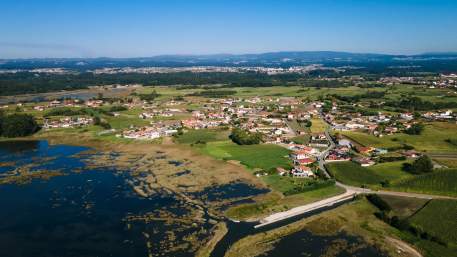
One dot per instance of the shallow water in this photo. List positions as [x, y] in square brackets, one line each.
[92, 211]
[89, 212]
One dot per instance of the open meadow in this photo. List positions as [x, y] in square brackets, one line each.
[432, 139]
[353, 174]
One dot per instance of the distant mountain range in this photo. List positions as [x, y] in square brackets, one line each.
[272, 59]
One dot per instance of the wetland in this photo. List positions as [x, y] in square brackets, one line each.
[135, 200]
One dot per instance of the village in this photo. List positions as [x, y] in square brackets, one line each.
[298, 125]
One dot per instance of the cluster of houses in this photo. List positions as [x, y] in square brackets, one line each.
[440, 116]
[342, 121]
[67, 122]
[156, 130]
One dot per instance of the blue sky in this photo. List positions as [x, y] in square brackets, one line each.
[81, 28]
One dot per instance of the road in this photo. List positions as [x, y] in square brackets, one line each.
[351, 191]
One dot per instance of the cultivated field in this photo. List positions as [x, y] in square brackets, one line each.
[442, 182]
[431, 140]
[439, 218]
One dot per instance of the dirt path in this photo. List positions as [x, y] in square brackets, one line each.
[404, 249]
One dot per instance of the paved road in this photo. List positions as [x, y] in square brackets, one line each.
[351, 191]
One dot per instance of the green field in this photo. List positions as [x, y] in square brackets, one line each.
[303, 139]
[442, 182]
[450, 163]
[124, 121]
[263, 156]
[439, 218]
[353, 174]
[391, 171]
[404, 207]
[203, 135]
[289, 185]
[431, 140]
[369, 140]
[318, 125]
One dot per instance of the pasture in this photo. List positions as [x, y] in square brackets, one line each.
[353, 174]
[262, 156]
[431, 140]
[318, 125]
[203, 135]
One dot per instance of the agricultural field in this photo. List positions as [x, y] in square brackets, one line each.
[263, 156]
[203, 135]
[438, 218]
[365, 139]
[287, 91]
[318, 125]
[303, 139]
[443, 182]
[434, 217]
[431, 140]
[448, 162]
[353, 174]
[390, 170]
[125, 121]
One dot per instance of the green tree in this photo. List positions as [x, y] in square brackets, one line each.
[18, 125]
[421, 165]
[243, 137]
[415, 129]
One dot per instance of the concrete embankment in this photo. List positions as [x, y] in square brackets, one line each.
[305, 208]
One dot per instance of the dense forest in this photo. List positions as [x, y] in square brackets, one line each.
[26, 82]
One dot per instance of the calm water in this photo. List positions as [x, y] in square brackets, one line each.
[84, 212]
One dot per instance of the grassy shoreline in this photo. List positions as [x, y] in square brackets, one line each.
[355, 219]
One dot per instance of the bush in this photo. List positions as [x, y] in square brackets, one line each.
[415, 129]
[65, 111]
[242, 137]
[422, 165]
[379, 202]
[149, 97]
[117, 108]
[18, 125]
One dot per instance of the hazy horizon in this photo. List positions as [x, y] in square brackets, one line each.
[120, 29]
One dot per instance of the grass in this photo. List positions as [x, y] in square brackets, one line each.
[443, 182]
[275, 203]
[290, 185]
[355, 218]
[303, 139]
[353, 174]
[436, 217]
[318, 125]
[205, 135]
[218, 232]
[431, 140]
[263, 156]
[450, 163]
[390, 170]
[369, 140]
[124, 121]
[404, 207]
[439, 218]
